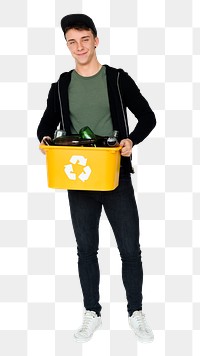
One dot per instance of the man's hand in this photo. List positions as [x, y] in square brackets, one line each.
[45, 141]
[127, 145]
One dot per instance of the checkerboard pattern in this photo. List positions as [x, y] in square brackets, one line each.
[158, 43]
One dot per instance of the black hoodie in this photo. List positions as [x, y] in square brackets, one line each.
[123, 93]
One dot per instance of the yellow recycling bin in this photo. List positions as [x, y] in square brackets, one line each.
[82, 168]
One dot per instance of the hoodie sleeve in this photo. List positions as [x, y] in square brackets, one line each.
[51, 116]
[138, 105]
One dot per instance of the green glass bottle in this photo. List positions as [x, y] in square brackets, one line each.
[87, 133]
[100, 141]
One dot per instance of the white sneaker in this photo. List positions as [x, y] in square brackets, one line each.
[140, 327]
[91, 322]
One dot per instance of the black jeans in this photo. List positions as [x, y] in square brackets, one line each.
[121, 210]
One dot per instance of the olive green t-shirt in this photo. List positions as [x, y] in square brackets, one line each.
[89, 103]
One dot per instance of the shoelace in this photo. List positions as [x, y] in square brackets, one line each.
[142, 324]
[88, 317]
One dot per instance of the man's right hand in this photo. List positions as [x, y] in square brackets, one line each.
[45, 141]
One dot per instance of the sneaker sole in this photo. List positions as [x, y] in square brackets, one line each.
[142, 340]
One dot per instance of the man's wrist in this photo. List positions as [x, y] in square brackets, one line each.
[130, 141]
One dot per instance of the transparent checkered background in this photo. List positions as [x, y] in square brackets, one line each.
[158, 43]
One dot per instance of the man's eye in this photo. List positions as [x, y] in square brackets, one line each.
[86, 40]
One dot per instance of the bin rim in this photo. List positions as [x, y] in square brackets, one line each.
[85, 148]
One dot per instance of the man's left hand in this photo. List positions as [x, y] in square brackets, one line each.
[127, 145]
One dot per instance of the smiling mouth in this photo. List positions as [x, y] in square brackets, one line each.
[81, 54]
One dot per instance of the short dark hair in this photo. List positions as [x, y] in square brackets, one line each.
[79, 27]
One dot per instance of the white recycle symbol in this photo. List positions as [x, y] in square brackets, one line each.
[81, 161]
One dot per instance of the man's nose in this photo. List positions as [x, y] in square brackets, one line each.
[79, 46]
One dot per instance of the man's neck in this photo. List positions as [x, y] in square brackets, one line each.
[87, 70]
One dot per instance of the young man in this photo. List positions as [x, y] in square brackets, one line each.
[97, 96]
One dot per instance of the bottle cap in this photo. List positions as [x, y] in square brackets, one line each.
[59, 133]
[115, 133]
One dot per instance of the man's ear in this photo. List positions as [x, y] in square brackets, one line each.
[96, 41]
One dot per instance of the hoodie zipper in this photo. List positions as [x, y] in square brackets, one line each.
[61, 111]
[124, 116]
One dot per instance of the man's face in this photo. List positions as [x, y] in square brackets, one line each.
[81, 44]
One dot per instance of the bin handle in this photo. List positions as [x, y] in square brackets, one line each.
[46, 142]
